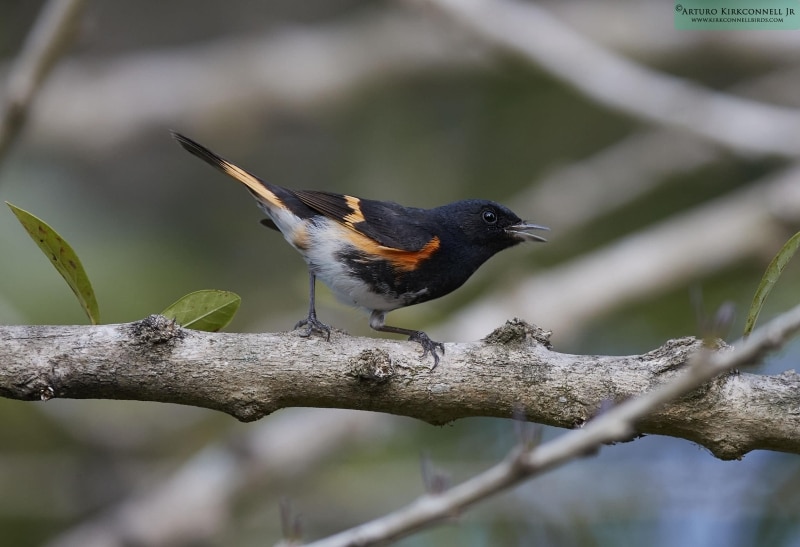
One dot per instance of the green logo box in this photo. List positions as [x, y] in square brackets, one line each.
[737, 14]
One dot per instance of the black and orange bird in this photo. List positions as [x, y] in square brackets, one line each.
[379, 255]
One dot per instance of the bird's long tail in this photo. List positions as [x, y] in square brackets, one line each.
[261, 190]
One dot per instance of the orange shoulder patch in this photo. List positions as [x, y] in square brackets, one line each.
[405, 261]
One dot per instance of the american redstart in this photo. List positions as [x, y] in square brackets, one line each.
[378, 255]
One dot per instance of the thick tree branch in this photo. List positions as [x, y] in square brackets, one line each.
[252, 375]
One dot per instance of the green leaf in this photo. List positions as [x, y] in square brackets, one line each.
[771, 276]
[63, 258]
[208, 310]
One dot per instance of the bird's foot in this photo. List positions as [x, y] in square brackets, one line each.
[312, 324]
[428, 346]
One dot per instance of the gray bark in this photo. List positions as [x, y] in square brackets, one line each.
[513, 372]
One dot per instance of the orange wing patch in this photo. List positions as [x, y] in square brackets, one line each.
[408, 261]
[405, 261]
[356, 215]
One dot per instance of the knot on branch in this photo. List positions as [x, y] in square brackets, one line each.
[673, 355]
[372, 365]
[518, 332]
[156, 329]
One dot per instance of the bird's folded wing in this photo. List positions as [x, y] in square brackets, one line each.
[392, 226]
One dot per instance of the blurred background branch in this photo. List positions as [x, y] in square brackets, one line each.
[44, 46]
[700, 241]
[192, 503]
[529, 30]
[198, 86]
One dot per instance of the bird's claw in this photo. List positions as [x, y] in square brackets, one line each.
[312, 324]
[428, 346]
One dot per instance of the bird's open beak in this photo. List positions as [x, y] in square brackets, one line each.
[524, 231]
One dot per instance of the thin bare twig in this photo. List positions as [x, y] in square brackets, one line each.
[616, 424]
[44, 45]
[193, 503]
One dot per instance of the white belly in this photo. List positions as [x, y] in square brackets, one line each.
[323, 258]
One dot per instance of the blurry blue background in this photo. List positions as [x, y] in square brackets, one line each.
[388, 101]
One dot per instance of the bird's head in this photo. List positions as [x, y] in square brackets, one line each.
[490, 225]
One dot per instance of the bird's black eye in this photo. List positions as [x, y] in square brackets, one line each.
[489, 216]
